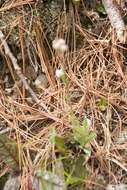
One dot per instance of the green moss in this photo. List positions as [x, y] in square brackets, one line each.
[3, 180]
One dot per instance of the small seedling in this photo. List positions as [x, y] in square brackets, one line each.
[100, 9]
[81, 133]
[102, 104]
[58, 141]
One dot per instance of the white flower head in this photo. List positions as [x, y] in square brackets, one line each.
[59, 73]
[60, 45]
[63, 48]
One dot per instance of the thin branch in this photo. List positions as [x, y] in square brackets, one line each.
[116, 20]
[18, 71]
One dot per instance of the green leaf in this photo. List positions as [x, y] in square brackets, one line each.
[73, 120]
[75, 171]
[102, 104]
[3, 180]
[100, 9]
[64, 78]
[73, 180]
[52, 135]
[9, 152]
[81, 134]
[87, 151]
[58, 141]
[60, 145]
[85, 123]
[90, 137]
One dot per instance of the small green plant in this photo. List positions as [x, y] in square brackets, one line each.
[9, 152]
[74, 169]
[100, 9]
[81, 133]
[75, 172]
[102, 104]
[58, 141]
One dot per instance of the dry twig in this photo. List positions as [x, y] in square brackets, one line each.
[18, 70]
[116, 20]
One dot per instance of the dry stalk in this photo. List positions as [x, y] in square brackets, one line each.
[16, 4]
[116, 20]
[45, 64]
[121, 165]
[18, 70]
[23, 47]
